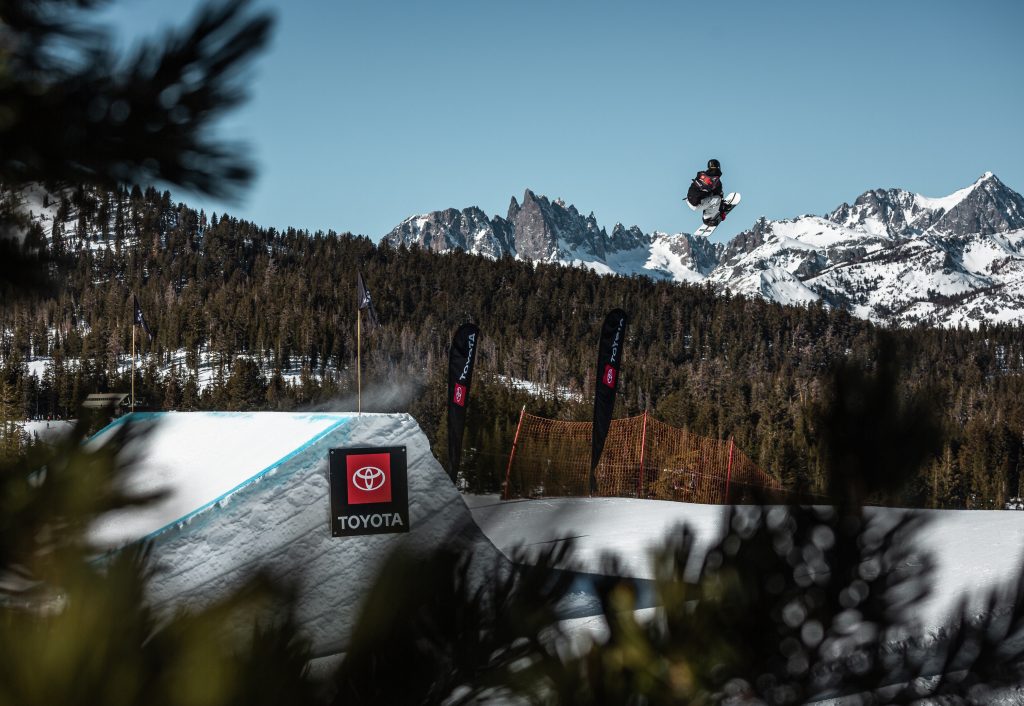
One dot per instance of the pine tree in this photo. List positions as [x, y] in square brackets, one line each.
[246, 387]
[73, 629]
[11, 437]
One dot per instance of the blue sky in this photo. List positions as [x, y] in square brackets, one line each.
[364, 113]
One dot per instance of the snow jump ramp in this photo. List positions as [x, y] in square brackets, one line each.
[248, 490]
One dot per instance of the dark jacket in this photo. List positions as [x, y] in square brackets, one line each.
[700, 189]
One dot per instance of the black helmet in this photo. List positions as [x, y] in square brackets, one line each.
[714, 168]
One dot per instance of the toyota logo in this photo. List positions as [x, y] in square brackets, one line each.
[369, 478]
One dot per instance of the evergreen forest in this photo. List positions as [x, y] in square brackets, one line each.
[244, 317]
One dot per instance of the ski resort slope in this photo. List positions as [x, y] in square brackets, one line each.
[250, 490]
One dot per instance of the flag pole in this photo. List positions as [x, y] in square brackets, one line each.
[359, 362]
[133, 364]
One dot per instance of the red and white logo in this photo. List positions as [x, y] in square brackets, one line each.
[610, 374]
[459, 397]
[369, 478]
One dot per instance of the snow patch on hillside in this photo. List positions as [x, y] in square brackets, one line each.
[813, 232]
[211, 367]
[539, 389]
[979, 255]
[948, 203]
[779, 285]
[40, 204]
[663, 258]
[659, 261]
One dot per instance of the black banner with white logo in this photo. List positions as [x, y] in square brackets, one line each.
[140, 320]
[609, 363]
[461, 358]
[369, 491]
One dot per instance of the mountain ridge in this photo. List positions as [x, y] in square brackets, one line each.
[892, 256]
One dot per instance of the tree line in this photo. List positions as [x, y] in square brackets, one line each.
[247, 317]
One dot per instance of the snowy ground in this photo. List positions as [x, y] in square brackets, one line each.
[975, 551]
[539, 390]
[46, 431]
[210, 367]
[250, 489]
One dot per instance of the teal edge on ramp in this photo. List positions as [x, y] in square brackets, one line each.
[141, 416]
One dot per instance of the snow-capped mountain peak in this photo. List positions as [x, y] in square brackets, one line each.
[947, 203]
[986, 206]
[543, 230]
[441, 231]
[892, 256]
[897, 257]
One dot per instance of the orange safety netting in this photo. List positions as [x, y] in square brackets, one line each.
[642, 458]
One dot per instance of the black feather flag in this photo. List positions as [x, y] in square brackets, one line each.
[365, 302]
[609, 363]
[140, 320]
[461, 359]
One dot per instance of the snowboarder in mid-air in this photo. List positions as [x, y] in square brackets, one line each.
[705, 195]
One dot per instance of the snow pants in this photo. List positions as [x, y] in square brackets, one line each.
[710, 206]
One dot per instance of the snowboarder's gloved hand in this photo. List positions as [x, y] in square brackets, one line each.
[721, 215]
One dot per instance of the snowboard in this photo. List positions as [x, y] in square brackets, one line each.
[730, 201]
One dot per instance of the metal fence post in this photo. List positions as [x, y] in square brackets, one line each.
[728, 471]
[512, 454]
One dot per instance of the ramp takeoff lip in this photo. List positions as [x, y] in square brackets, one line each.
[278, 519]
[197, 460]
[276, 464]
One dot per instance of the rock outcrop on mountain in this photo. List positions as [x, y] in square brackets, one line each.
[988, 206]
[469, 229]
[542, 230]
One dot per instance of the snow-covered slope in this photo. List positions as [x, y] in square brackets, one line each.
[893, 256]
[250, 490]
[974, 551]
[884, 264]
